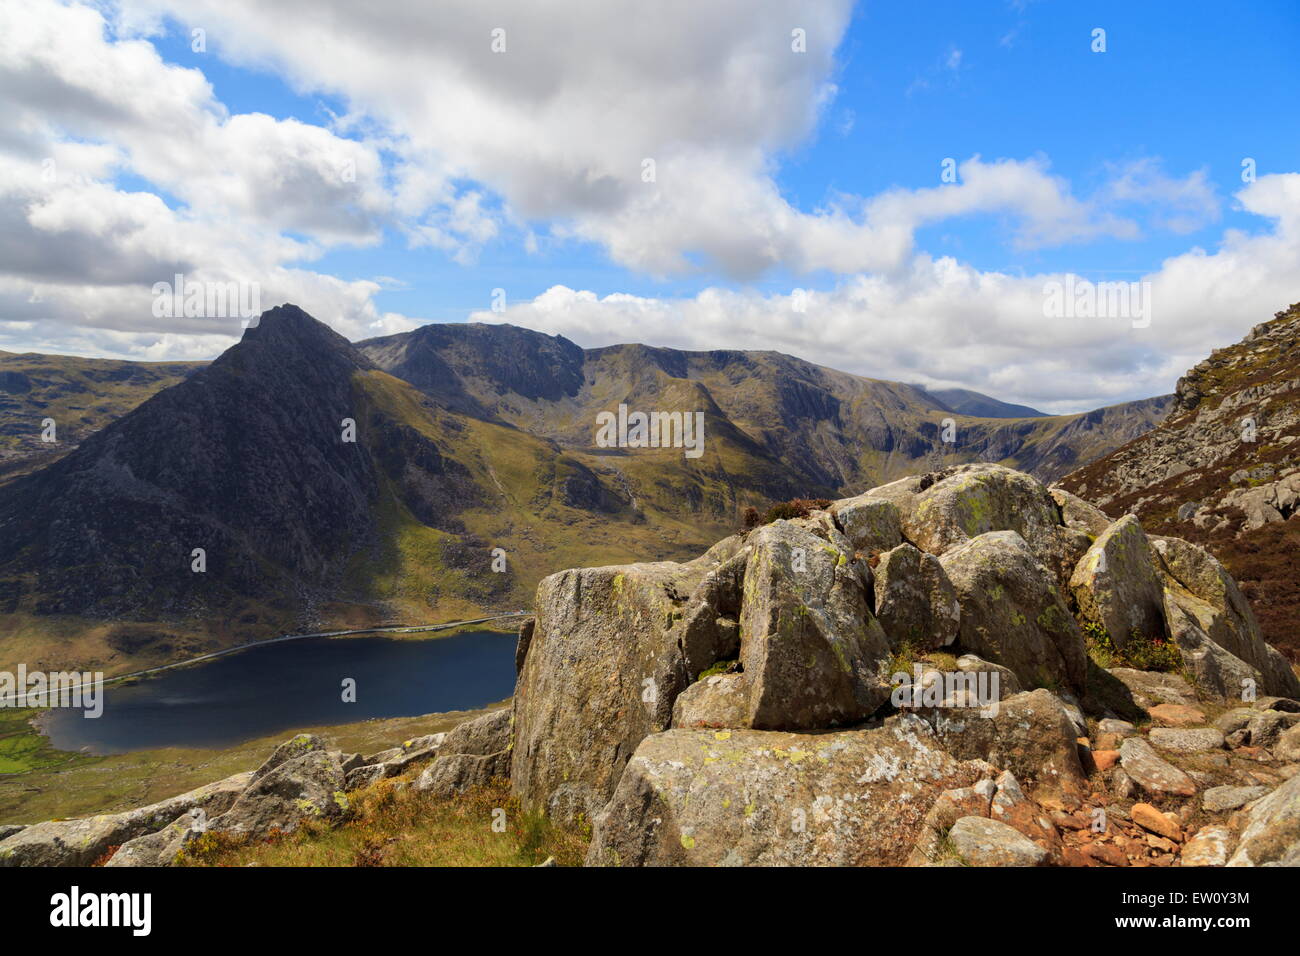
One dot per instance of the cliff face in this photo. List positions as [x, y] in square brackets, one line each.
[1224, 469]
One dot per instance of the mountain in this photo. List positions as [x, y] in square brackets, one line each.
[1224, 469]
[81, 395]
[829, 430]
[475, 471]
[965, 402]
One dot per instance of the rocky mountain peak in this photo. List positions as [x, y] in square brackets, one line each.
[287, 333]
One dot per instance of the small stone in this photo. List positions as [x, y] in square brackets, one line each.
[1189, 741]
[1110, 725]
[1151, 772]
[1177, 715]
[1218, 799]
[1106, 853]
[982, 842]
[1149, 818]
[1105, 759]
[1210, 846]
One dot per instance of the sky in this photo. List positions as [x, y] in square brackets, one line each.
[898, 190]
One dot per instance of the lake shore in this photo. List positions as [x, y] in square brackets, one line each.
[83, 785]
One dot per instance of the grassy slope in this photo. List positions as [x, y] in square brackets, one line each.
[1265, 562]
[82, 395]
[393, 826]
[60, 785]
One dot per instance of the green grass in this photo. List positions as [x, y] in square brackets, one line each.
[24, 749]
[57, 785]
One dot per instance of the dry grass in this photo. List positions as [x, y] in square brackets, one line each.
[391, 825]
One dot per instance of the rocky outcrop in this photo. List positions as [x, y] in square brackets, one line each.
[915, 602]
[1012, 612]
[1224, 469]
[1115, 585]
[81, 842]
[788, 628]
[748, 797]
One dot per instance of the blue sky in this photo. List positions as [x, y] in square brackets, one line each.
[778, 171]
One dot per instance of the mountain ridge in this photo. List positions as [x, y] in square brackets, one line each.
[474, 473]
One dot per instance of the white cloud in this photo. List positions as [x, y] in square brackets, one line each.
[941, 323]
[453, 147]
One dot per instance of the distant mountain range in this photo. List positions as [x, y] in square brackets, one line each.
[468, 438]
[965, 402]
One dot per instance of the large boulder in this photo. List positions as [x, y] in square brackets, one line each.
[1214, 602]
[1215, 670]
[1272, 833]
[748, 797]
[483, 735]
[454, 773]
[291, 749]
[303, 788]
[471, 754]
[945, 509]
[1029, 734]
[718, 701]
[970, 500]
[812, 653]
[915, 602]
[608, 656]
[1078, 514]
[1013, 614]
[872, 524]
[81, 842]
[1116, 586]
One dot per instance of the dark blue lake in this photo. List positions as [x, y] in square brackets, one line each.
[263, 690]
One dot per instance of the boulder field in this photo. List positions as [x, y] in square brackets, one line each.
[743, 707]
[945, 670]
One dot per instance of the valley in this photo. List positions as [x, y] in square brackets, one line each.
[470, 438]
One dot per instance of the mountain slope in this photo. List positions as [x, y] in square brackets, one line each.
[828, 430]
[468, 439]
[965, 402]
[81, 395]
[1224, 470]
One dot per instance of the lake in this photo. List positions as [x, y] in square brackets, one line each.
[264, 690]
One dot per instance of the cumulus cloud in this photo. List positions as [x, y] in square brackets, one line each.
[654, 131]
[941, 323]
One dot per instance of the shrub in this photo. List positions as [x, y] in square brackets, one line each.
[794, 508]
